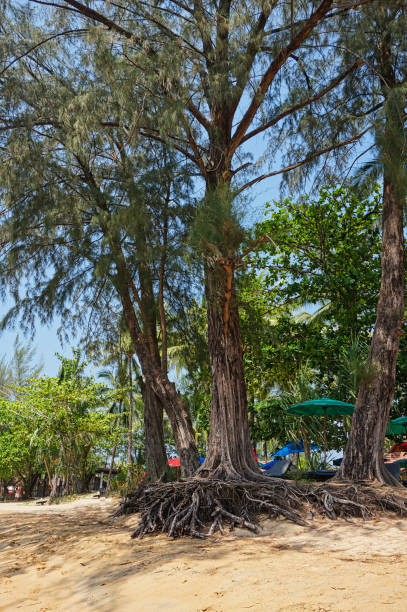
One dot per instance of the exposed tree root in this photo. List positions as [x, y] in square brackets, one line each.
[199, 508]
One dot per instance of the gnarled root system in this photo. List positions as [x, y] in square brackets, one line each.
[199, 508]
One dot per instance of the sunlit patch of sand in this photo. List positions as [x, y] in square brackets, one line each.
[71, 557]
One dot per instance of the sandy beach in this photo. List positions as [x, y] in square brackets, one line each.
[72, 557]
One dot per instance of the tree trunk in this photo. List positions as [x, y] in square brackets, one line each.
[363, 457]
[81, 485]
[181, 424]
[168, 396]
[178, 414]
[84, 482]
[29, 484]
[109, 478]
[130, 436]
[54, 488]
[156, 457]
[229, 449]
[306, 444]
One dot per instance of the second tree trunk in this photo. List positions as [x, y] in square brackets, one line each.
[363, 458]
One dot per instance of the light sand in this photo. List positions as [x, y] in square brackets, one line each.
[70, 557]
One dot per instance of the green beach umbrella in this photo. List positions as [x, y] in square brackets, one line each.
[397, 427]
[322, 407]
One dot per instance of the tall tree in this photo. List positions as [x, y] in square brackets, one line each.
[92, 216]
[382, 38]
[227, 73]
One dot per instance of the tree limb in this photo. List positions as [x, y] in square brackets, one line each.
[304, 103]
[272, 71]
[306, 160]
[42, 42]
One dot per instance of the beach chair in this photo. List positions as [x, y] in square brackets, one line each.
[394, 469]
[278, 469]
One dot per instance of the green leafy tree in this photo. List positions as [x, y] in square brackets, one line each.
[322, 254]
[324, 251]
[19, 447]
[379, 35]
[225, 73]
[93, 217]
[67, 419]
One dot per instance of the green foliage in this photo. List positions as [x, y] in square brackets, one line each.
[81, 196]
[19, 445]
[325, 251]
[57, 425]
[322, 253]
[217, 230]
[354, 367]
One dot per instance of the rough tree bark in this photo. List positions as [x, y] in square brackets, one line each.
[363, 457]
[229, 449]
[130, 432]
[146, 348]
[156, 458]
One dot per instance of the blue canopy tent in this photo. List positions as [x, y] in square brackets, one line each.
[293, 447]
[289, 449]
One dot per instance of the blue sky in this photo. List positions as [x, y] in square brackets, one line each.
[45, 341]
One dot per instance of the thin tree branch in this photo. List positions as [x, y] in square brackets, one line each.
[86, 11]
[271, 72]
[304, 103]
[177, 147]
[42, 42]
[194, 146]
[344, 9]
[307, 159]
[253, 246]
